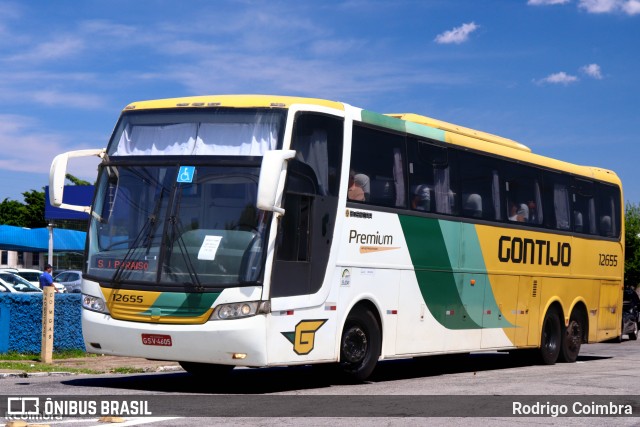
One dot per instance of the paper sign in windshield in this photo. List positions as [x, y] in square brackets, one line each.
[209, 248]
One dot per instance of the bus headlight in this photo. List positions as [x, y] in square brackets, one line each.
[238, 310]
[94, 304]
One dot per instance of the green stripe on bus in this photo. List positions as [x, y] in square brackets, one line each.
[416, 129]
[434, 272]
[457, 299]
[486, 313]
[180, 304]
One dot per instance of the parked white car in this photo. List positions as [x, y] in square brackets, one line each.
[13, 283]
[33, 276]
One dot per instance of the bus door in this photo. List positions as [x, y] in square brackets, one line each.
[304, 239]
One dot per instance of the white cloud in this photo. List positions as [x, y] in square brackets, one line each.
[598, 6]
[457, 35]
[630, 7]
[592, 70]
[37, 147]
[546, 2]
[67, 99]
[558, 78]
[61, 47]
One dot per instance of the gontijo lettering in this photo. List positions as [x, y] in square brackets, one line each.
[530, 251]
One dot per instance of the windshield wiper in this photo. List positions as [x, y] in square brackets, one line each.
[178, 231]
[148, 225]
[117, 275]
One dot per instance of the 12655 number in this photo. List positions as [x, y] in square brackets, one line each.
[608, 260]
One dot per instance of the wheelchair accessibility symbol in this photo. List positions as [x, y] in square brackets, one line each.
[185, 174]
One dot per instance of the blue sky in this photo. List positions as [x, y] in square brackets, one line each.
[561, 76]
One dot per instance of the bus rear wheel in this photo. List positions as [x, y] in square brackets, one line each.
[634, 335]
[360, 344]
[571, 340]
[551, 338]
[208, 370]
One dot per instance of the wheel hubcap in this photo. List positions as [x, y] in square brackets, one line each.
[355, 345]
[550, 342]
[574, 336]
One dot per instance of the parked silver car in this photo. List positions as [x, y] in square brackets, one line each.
[70, 279]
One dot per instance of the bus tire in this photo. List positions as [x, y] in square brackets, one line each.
[360, 344]
[634, 335]
[550, 338]
[571, 340]
[207, 370]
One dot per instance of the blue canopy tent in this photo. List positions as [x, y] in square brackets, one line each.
[37, 239]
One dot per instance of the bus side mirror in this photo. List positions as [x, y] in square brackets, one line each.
[57, 176]
[272, 172]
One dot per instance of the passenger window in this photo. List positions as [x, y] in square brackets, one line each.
[561, 206]
[430, 182]
[523, 195]
[377, 172]
[557, 210]
[584, 208]
[480, 187]
[608, 206]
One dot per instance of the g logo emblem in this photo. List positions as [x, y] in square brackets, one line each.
[303, 338]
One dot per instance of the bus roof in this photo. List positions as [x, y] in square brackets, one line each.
[466, 137]
[450, 127]
[233, 101]
[454, 134]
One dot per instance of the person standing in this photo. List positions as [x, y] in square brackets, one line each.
[46, 279]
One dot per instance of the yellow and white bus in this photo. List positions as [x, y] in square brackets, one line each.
[246, 230]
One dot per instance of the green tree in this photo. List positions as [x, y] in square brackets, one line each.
[31, 212]
[34, 209]
[12, 212]
[76, 181]
[632, 245]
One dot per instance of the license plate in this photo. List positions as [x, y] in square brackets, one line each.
[155, 339]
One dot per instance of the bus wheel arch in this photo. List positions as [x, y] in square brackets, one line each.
[551, 334]
[361, 341]
[574, 334]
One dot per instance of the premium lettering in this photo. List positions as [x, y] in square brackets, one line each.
[370, 239]
[529, 251]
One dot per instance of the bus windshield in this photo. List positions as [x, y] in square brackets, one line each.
[150, 226]
[176, 199]
[212, 132]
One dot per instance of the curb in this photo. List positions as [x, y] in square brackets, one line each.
[22, 374]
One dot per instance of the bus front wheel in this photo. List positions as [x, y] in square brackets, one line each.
[551, 338]
[360, 344]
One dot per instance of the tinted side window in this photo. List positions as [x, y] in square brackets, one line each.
[524, 202]
[584, 207]
[377, 170]
[431, 184]
[557, 201]
[608, 210]
[317, 140]
[479, 187]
